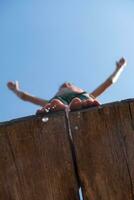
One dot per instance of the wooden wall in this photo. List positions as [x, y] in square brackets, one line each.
[51, 159]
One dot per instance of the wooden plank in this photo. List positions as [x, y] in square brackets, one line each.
[126, 114]
[41, 160]
[101, 161]
[9, 182]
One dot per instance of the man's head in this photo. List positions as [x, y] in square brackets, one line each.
[66, 85]
[69, 87]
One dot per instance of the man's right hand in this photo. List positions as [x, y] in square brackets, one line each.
[14, 86]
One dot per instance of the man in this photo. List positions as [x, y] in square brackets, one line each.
[69, 95]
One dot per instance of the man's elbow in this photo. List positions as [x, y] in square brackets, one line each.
[112, 80]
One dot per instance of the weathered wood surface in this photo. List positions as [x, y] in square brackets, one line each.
[105, 159]
[126, 127]
[36, 161]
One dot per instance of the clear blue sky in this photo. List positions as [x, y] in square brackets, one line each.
[46, 42]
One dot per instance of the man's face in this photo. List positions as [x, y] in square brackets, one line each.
[66, 85]
[69, 87]
[65, 88]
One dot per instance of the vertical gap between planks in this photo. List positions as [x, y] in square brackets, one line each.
[70, 137]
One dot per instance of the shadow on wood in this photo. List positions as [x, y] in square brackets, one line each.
[40, 160]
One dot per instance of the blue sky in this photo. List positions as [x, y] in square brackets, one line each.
[44, 43]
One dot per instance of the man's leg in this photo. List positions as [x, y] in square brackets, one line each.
[75, 104]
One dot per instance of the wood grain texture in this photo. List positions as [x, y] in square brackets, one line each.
[10, 188]
[100, 153]
[126, 115]
[36, 161]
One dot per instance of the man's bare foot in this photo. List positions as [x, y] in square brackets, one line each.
[57, 105]
[43, 110]
[88, 103]
[54, 105]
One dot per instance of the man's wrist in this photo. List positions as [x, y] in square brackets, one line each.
[19, 93]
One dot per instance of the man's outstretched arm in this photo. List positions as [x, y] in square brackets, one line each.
[111, 79]
[14, 87]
